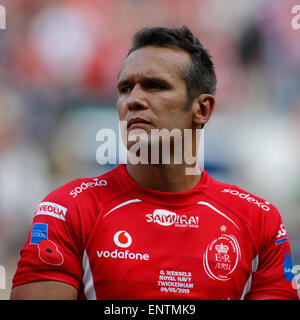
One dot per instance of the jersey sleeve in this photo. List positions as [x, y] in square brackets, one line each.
[52, 250]
[273, 277]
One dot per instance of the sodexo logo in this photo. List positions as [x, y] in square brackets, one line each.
[85, 185]
[122, 239]
[263, 205]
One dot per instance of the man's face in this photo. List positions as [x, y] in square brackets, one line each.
[151, 91]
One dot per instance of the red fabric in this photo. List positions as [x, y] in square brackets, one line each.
[114, 239]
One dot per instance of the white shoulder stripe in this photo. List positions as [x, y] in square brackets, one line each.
[218, 211]
[121, 205]
[248, 283]
[89, 289]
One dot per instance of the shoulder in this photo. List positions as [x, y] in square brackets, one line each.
[236, 196]
[257, 214]
[79, 202]
[87, 191]
[245, 204]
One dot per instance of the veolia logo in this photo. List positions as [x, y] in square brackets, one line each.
[122, 239]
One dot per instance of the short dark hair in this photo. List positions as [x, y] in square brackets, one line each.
[200, 76]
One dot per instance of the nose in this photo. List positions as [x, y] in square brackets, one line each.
[136, 99]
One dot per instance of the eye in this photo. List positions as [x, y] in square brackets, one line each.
[154, 85]
[124, 89]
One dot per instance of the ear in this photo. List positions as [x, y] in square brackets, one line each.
[202, 108]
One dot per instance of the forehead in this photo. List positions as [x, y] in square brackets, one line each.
[155, 61]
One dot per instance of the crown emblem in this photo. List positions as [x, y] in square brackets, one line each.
[221, 248]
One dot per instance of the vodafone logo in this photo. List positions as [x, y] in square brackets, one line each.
[122, 239]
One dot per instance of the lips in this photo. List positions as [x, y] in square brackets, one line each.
[137, 121]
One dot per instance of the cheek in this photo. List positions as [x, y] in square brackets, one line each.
[121, 110]
[174, 100]
[176, 117]
[172, 107]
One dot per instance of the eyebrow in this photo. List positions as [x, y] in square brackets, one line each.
[145, 80]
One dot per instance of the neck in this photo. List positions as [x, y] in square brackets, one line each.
[170, 177]
[167, 178]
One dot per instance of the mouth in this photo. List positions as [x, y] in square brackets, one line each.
[137, 122]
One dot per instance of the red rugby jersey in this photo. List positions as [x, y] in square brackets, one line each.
[114, 239]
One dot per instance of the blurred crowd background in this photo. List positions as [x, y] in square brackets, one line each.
[59, 62]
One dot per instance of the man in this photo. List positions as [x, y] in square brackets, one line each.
[153, 231]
